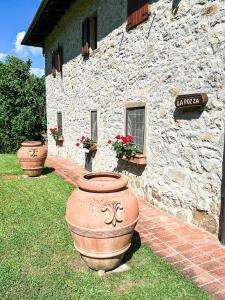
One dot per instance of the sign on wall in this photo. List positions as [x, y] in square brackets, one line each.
[191, 101]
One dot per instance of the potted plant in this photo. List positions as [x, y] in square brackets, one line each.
[56, 133]
[87, 143]
[126, 149]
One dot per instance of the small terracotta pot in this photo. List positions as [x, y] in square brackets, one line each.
[32, 156]
[93, 148]
[138, 159]
[60, 138]
[101, 215]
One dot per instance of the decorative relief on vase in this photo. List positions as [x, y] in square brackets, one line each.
[33, 152]
[113, 213]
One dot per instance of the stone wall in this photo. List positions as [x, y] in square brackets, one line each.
[180, 49]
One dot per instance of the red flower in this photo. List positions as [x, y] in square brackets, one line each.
[78, 144]
[130, 138]
[109, 142]
[53, 130]
[118, 137]
[83, 138]
[124, 140]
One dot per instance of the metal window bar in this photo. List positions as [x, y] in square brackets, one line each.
[135, 126]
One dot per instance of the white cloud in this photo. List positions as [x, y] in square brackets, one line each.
[25, 50]
[37, 71]
[2, 56]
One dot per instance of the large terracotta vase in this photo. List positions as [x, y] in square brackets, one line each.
[101, 215]
[32, 156]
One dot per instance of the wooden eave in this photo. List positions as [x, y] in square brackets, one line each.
[48, 15]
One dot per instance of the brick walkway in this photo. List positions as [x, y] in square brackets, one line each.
[197, 253]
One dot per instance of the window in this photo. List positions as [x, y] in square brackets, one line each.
[135, 126]
[94, 126]
[57, 61]
[89, 34]
[59, 120]
[137, 12]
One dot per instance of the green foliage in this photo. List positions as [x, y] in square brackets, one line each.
[22, 104]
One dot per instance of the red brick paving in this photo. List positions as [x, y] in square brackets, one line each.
[194, 251]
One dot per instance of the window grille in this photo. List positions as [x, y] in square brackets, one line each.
[94, 126]
[136, 126]
[59, 119]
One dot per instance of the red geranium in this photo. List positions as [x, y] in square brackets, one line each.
[53, 129]
[123, 146]
[124, 140]
[86, 142]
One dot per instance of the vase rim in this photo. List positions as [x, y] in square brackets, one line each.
[102, 182]
[31, 144]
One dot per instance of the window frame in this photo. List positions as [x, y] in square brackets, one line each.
[94, 111]
[133, 107]
[59, 113]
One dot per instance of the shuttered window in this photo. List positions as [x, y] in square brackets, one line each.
[137, 12]
[57, 60]
[85, 37]
[136, 126]
[53, 64]
[94, 126]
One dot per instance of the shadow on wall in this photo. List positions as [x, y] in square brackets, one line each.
[187, 114]
[222, 203]
[129, 167]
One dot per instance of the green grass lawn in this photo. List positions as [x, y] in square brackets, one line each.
[38, 260]
[9, 165]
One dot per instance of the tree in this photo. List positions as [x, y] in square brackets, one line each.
[22, 104]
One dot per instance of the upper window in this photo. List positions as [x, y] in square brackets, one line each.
[137, 12]
[57, 61]
[94, 126]
[89, 34]
[136, 126]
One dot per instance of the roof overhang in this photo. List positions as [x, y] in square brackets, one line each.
[48, 15]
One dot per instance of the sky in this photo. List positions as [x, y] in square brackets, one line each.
[15, 18]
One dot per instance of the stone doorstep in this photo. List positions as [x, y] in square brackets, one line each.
[194, 251]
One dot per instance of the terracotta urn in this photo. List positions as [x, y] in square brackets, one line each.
[32, 156]
[101, 215]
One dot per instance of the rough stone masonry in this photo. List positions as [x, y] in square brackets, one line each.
[179, 50]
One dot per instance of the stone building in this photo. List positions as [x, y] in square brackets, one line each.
[116, 67]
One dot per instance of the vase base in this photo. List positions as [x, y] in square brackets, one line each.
[33, 172]
[105, 264]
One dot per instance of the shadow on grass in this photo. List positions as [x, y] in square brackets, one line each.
[135, 245]
[47, 170]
